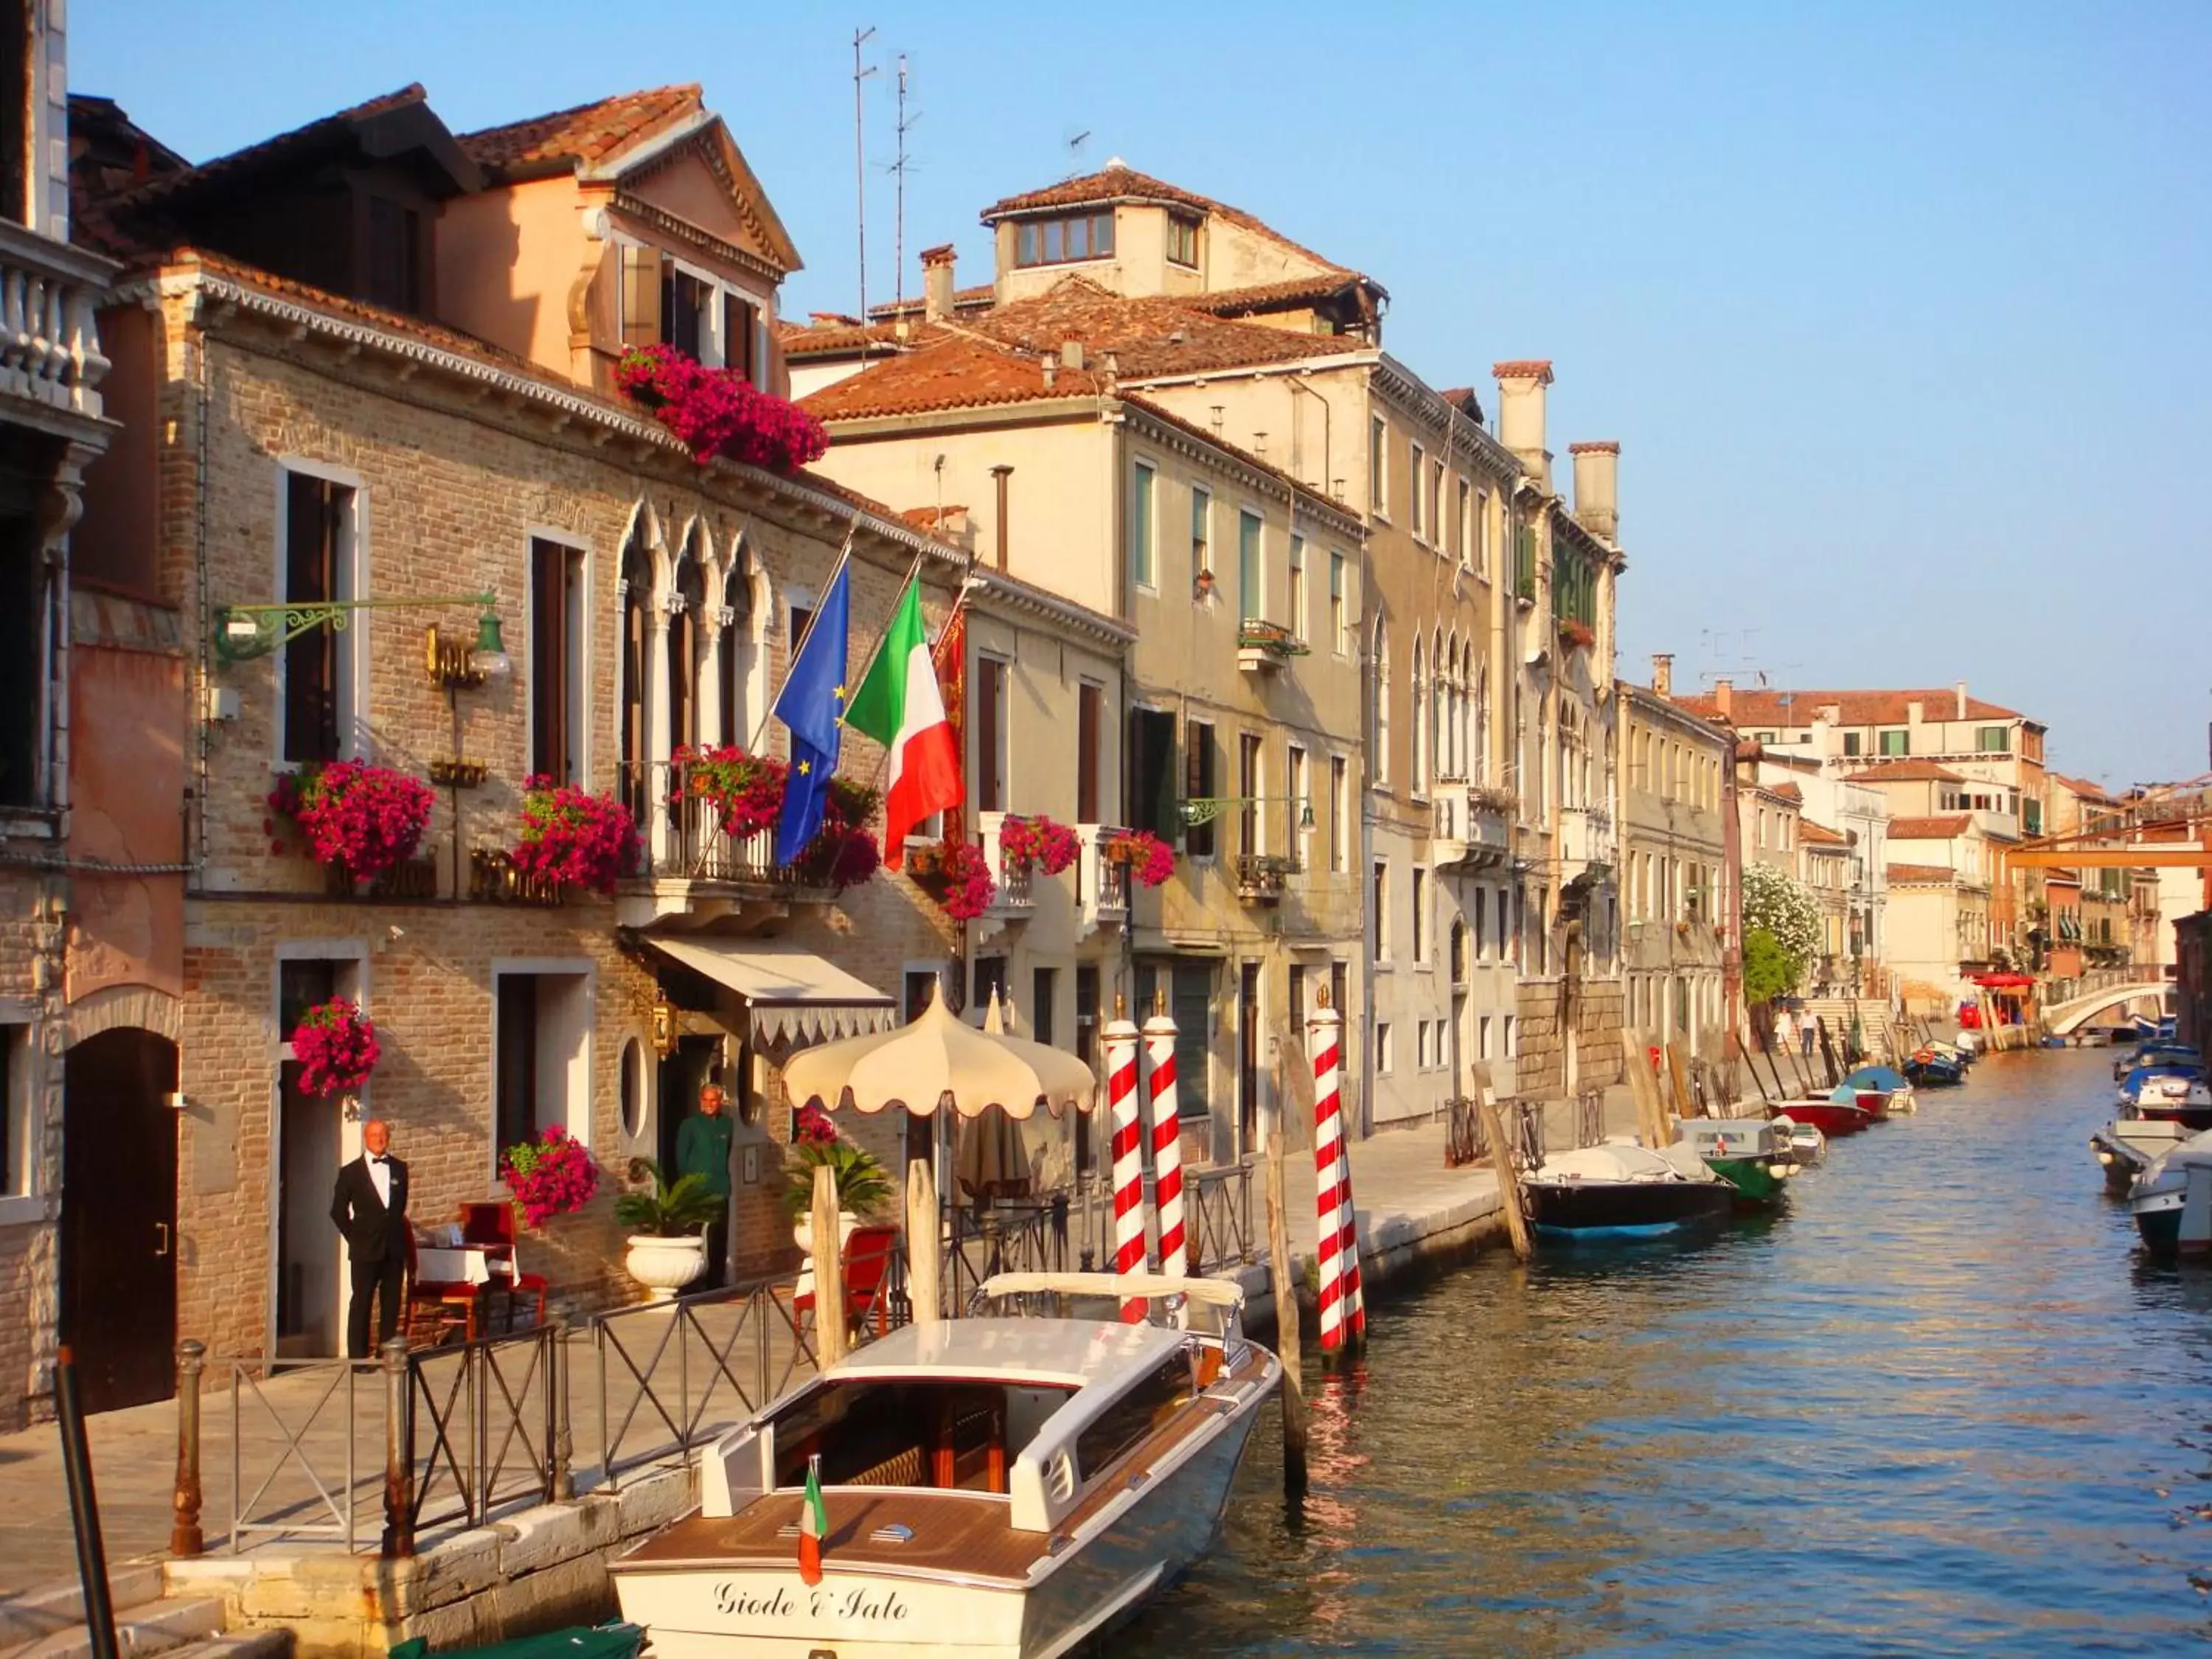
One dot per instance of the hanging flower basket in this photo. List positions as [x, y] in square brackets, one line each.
[335, 1046]
[1150, 860]
[1577, 635]
[844, 851]
[549, 1176]
[576, 838]
[358, 819]
[745, 791]
[1041, 842]
[717, 413]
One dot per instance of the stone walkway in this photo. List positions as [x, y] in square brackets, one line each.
[294, 1431]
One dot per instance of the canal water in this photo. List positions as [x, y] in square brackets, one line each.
[1940, 1406]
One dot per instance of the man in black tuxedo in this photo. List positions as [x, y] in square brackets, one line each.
[370, 1209]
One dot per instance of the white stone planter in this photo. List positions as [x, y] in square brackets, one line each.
[665, 1266]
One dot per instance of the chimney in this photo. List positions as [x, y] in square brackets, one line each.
[1961, 715]
[937, 284]
[1662, 674]
[1049, 365]
[999, 474]
[1597, 488]
[1521, 414]
[1724, 698]
[1071, 355]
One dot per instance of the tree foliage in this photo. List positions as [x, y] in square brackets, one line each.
[1768, 970]
[1786, 912]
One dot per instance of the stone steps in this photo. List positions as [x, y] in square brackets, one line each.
[169, 1625]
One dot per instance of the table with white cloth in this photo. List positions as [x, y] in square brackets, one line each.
[469, 1264]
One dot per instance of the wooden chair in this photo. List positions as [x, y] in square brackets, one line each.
[437, 1310]
[868, 1255]
[491, 1224]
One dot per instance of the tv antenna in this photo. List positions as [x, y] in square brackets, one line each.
[905, 123]
[1073, 144]
[861, 38]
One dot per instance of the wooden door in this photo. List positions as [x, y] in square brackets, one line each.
[119, 1234]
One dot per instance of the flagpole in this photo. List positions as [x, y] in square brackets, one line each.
[844, 558]
[913, 575]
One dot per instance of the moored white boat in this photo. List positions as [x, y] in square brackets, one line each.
[2172, 1201]
[995, 1487]
[2127, 1146]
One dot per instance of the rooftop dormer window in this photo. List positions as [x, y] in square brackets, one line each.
[394, 265]
[1063, 240]
[1183, 240]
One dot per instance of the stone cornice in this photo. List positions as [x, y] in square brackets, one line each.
[682, 230]
[995, 591]
[1168, 432]
[522, 389]
[1407, 392]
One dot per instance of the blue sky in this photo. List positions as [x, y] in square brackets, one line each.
[1899, 312]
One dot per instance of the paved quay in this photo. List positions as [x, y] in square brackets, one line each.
[1411, 1207]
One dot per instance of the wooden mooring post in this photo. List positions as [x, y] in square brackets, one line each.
[1502, 1152]
[1287, 1320]
[829, 1335]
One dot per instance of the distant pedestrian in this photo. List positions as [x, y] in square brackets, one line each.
[1785, 1027]
[702, 1149]
[1808, 1029]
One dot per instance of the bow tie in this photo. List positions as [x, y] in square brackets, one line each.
[378, 1157]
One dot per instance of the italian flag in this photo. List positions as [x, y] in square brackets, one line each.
[813, 1524]
[900, 706]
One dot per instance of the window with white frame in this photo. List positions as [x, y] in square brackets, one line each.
[992, 738]
[541, 1054]
[1382, 903]
[1420, 916]
[1417, 474]
[1340, 618]
[1251, 568]
[1482, 533]
[1183, 240]
[1465, 537]
[1143, 486]
[1201, 532]
[560, 673]
[1436, 511]
[1294, 596]
[1382, 1048]
[1378, 744]
[664, 301]
[1378, 467]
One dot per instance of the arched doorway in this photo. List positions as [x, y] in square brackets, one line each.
[118, 1232]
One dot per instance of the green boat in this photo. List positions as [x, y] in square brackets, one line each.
[1749, 1153]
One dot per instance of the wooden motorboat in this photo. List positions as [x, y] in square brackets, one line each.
[1831, 1118]
[992, 1487]
[1620, 1191]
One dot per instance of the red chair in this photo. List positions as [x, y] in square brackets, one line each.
[868, 1255]
[437, 1310]
[491, 1225]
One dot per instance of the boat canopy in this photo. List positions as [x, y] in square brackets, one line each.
[1877, 1077]
[1220, 1292]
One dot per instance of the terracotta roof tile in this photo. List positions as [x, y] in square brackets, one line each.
[1794, 708]
[1922, 872]
[1596, 447]
[1787, 789]
[802, 341]
[1150, 336]
[1946, 826]
[1906, 771]
[1819, 834]
[586, 134]
[1235, 301]
[2086, 790]
[163, 185]
[1126, 183]
[1523, 368]
[978, 298]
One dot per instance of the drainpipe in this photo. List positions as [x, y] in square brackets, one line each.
[999, 474]
[1363, 656]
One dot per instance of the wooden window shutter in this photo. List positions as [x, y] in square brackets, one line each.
[738, 337]
[1087, 700]
[640, 296]
[548, 668]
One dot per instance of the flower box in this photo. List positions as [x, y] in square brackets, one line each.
[1040, 841]
[958, 878]
[1577, 635]
[1147, 858]
[457, 772]
[574, 838]
[362, 819]
[720, 414]
[745, 791]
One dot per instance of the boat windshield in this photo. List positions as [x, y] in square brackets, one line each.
[952, 1433]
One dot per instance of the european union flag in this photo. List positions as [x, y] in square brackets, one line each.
[811, 704]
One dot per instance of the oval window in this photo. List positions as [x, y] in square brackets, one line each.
[633, 1089]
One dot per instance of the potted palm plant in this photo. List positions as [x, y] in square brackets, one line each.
[667, 1222]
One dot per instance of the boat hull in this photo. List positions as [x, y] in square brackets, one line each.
[1143, 1542]
[1757, 1186]
[1599, 1212]
[1831, 1118]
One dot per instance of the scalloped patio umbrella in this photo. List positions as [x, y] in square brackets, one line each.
[934, 1062]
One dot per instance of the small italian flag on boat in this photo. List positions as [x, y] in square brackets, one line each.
[813, 1523]
[901, 706]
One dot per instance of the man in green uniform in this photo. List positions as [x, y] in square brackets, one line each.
[702, 1149]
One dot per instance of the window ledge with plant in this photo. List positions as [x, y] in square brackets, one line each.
[1256, 633]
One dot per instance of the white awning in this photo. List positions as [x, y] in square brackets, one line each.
[790, 995]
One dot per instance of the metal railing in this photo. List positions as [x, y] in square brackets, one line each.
[1006, 1235]
[487, 1421]
[1522, 1120]
[1218, 1218]
[1589, 1117]
[308, 1490]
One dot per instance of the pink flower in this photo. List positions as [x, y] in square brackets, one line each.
[716, 412]
[1150, 860]
[549, 1176]
[335, 1046]
[1039, 841]
[361, 819]
[576, 838]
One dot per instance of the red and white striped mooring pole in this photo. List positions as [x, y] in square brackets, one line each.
[1343, 1307]
[1167, 1133]
[1128, 1154]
